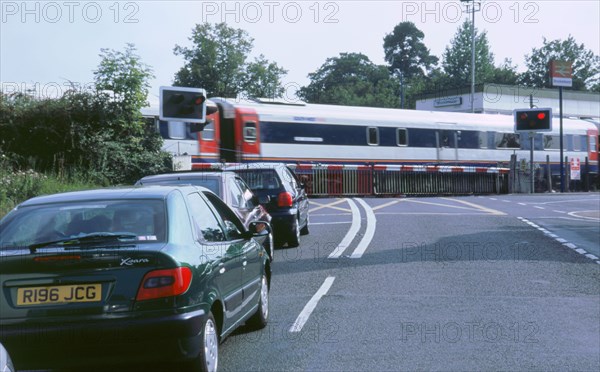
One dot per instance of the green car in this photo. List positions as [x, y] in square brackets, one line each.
[145, 275]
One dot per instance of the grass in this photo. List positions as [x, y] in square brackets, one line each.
[18, 186]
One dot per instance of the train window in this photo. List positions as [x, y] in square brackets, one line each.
[177, 130]
[250, 131]
[592, 143]
[402, 137]
[468, 139]
[508, 140]
[583, 141]
[482, 140]
[208, 133]
[372, 136]
[551, 142]
[576, 143]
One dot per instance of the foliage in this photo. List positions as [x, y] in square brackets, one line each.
[405, 51]
[351, 79]
[99, 133]
[457, 57]
[586, 65]
[217, 63]
[263, 79]
[123, 74]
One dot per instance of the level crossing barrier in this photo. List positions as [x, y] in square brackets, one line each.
[392, 180]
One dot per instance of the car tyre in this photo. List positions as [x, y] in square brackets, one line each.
[260, 318]
[305, 230]
[294, 234]
[208, 357]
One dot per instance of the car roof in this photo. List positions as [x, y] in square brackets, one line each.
[250, 166]
[132, 192]
[186, 176]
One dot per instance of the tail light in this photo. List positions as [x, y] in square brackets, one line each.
[165, 283]
[285, 199]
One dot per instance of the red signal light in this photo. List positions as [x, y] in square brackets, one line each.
[541, 115]
[524, 116]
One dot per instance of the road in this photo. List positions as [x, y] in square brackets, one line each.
[507, 282]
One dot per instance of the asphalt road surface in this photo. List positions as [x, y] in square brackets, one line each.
[507, 282]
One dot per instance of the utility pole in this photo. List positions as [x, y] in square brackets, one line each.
[472, 9]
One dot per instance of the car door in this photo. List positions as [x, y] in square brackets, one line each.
[227, 265]
[252, 253]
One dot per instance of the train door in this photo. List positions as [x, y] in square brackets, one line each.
[227, 136]
[247, 137]
[447, 141]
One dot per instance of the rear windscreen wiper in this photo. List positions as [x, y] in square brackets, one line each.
[90, 239]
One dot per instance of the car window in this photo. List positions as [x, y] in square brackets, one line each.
[246, 192]
[290, 176]
[236, 194]
[39, 224]
[261, 179]
[206, 224]
[227, 215]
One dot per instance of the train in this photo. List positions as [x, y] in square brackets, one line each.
[250, 130]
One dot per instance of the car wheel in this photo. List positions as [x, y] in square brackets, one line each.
[260, 318]
[304, 230]
[208, 358]
[294, 234]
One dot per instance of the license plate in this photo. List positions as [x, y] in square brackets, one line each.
[62, 294]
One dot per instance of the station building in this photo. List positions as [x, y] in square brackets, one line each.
[503, 99]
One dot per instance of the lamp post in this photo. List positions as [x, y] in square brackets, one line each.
[472, 9]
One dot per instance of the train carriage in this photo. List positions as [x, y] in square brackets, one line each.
[270, 130]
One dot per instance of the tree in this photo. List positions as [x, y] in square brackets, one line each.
[351, 79]
[405, 51]
[457, 58]
[586, 65]
[217, 63]
[125, 75]
[263, 78]
[99, 133]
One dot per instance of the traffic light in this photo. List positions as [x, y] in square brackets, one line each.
[183, 104]
[533, 120]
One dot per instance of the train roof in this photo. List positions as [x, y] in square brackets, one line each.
[269, 110]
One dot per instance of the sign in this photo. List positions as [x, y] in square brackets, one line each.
[182, 104]
[575, 169]
[561, 73]
[447, 101]
[533, 120]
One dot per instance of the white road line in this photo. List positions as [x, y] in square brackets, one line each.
[337, 252]
[311, 305]
[522, 204]
[559, 211]
[561, 240]
[329, 223]
[538, 207]
[371, 224]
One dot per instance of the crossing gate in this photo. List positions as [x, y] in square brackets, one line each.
[361, 180]
[364, 180]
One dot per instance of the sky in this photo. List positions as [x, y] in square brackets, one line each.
[51, 44]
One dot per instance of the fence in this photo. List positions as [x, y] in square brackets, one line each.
[381, 180]
[358, 180]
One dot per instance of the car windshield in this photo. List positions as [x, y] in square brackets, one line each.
[263, 179]
[143, 220]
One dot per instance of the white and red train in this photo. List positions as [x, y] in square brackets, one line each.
[266, 130]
